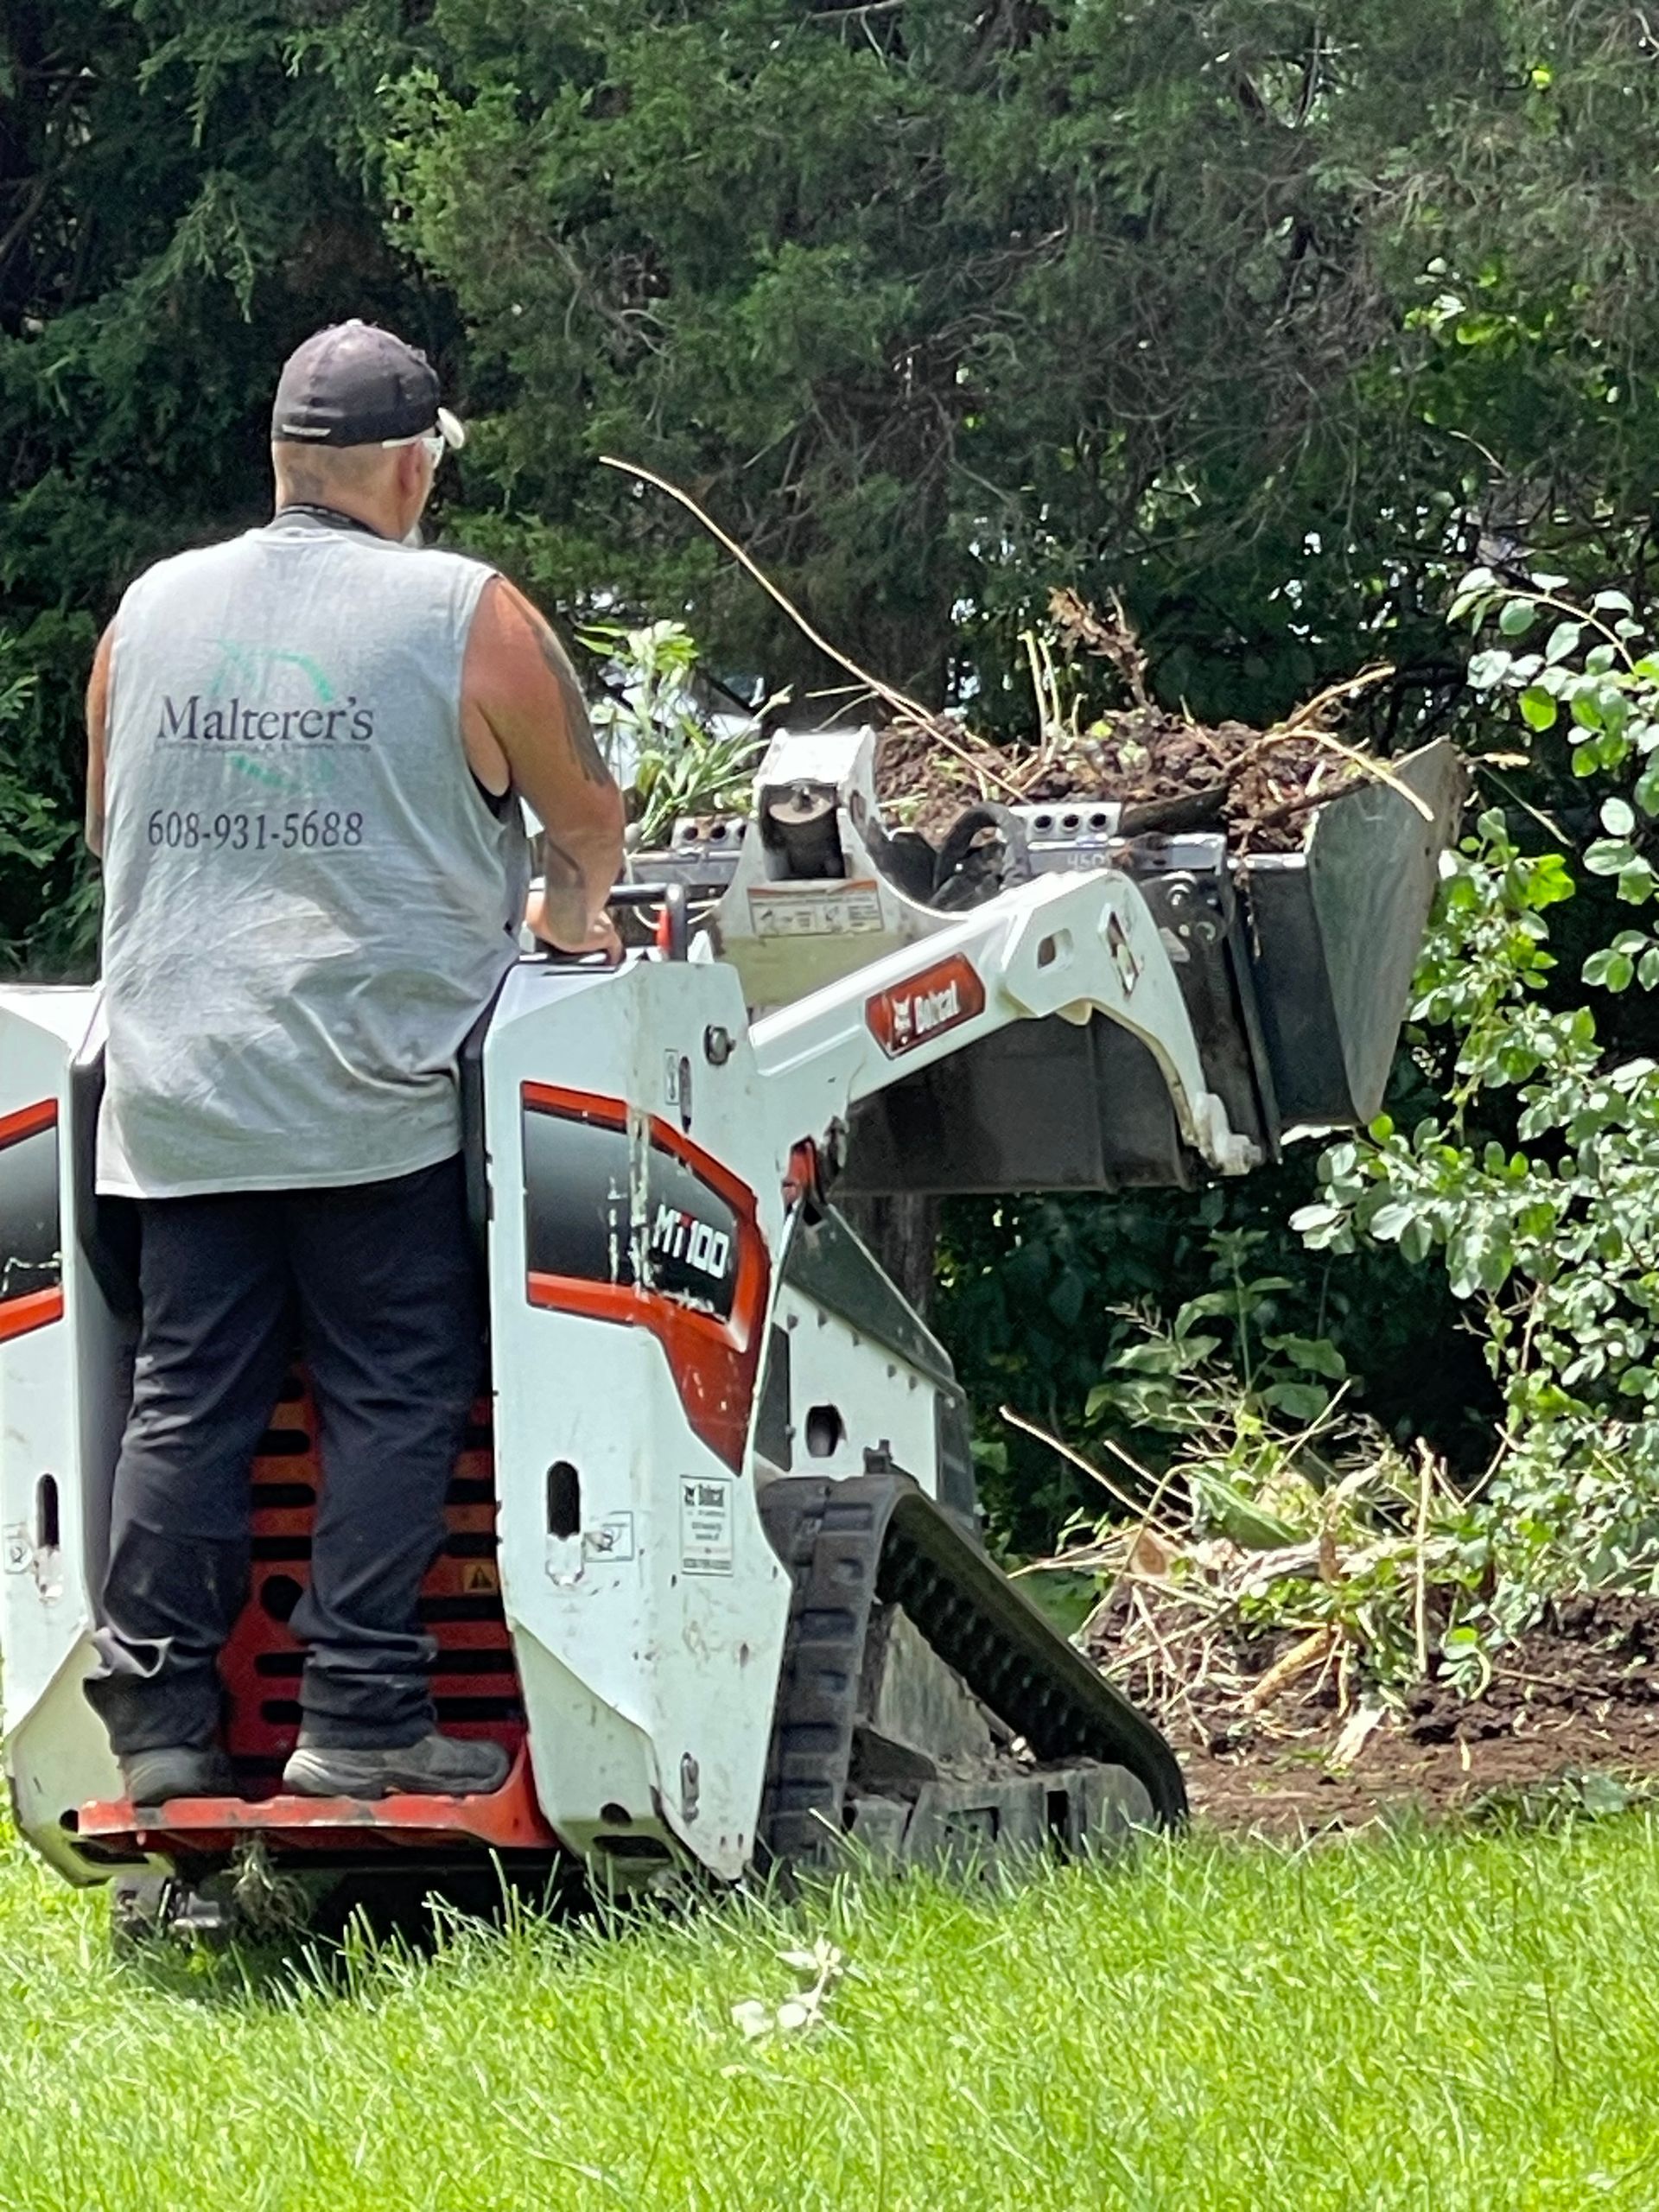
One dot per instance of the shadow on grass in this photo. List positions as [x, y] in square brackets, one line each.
[272, 1942]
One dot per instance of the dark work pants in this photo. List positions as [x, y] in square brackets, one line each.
[380, 1280]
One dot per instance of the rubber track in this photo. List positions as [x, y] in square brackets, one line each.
[878, 1535]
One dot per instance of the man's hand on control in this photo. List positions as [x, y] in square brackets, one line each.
[601, 936]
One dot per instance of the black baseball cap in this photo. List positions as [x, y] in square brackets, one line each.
[356, 385]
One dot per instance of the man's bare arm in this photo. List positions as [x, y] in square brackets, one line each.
[524, 721]
[98, 720]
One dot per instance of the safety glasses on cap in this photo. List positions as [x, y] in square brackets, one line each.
[450, 435]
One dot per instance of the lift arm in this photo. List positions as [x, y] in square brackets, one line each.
[1071, 947]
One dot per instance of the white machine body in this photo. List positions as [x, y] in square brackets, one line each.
[678, 1321]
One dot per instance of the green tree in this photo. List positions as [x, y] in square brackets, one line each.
[1268, 315]
[183, 195]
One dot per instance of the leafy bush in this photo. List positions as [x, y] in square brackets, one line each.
[1552, 1237]
[49, 899]
[1532, 1188]
[1273, 1507]
[670, 753]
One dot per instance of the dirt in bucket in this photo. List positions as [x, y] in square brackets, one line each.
[1167, 772]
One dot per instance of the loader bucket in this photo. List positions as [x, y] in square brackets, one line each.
[1334, 936]
[1295, 969]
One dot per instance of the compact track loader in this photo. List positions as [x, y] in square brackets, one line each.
[714, 1573]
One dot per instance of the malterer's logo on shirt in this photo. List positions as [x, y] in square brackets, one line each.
[238, 722]
[238, 707]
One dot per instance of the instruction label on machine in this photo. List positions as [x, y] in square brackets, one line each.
[706, 1524]
[840, 910]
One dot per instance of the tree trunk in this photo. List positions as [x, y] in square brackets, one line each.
[903, 1232]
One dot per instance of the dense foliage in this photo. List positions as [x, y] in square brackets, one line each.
[1269, 317]
[182, 197]
[1272, 318]
[1525, 1190]
[1261, 312]
[1551, 1231]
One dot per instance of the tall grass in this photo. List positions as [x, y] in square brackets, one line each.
[1437, 2022]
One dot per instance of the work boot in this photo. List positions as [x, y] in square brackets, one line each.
[178, 1770]
[438, 1766]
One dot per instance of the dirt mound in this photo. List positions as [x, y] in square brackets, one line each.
[1168, 776]
[1168, 772]
[1577, 1696]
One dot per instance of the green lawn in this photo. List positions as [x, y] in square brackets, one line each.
[1462, 2020]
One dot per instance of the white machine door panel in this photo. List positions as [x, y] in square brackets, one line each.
[636, 1203]
[43, 1597]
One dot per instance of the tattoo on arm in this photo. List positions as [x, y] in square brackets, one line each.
[564, 900]
[578, 729]
[561, 873]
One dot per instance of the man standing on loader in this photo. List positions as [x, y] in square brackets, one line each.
[307, 750]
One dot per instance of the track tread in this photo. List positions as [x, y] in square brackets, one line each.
[850, 1542]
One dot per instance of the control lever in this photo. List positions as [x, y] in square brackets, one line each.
[673, 925]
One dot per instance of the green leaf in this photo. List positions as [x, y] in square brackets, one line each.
[1518, 618]
[1608, 855]
[1610, 970]
[1392, 1220]
[1488, 669]
[1317, 1220]
[1239, 1518]
[1301, 1400]
[1417, 1241]
[1617, 817]
[1563, 641]
[1537, 708]
[1612, 601]
[1317, 1354]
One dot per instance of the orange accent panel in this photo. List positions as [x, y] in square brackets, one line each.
[32, 1311]
[475, 1680]
[925, 1005]
[27, 1121]
[714, 1374]
[580, 1105]
[510, 1818]
[715, 1363]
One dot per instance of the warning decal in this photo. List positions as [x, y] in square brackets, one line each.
[848, 909]
[706, 1524]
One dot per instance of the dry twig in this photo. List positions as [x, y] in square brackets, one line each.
[899, 701]
[1312, 1651]
[1088, 1467]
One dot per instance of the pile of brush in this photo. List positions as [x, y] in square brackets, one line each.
[1167, 772]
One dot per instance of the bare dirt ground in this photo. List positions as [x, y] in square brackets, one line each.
[1576, 1697]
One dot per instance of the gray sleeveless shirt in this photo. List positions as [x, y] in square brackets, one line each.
[308, 898]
